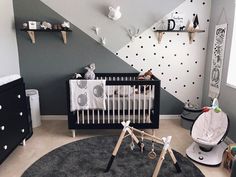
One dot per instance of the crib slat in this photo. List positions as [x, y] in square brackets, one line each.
[118, 91]
[82, 116]
[153, 94]
[139, 106]
[93, 115]
[144, 102]
[134, 106]
[123, 103]
[88, 116]
[103, 116]
[103, 113]
[149, 102]
[129, 103]
[98, 115]
[77, 117]
[113, 103]
[108, 103]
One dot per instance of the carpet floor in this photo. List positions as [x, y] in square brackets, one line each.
[89, 158]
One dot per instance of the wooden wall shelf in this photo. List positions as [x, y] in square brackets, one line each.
[191, 34]
[31, 33]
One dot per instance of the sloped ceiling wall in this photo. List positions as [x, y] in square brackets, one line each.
[135, 13]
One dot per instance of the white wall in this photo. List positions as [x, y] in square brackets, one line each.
[9, 60]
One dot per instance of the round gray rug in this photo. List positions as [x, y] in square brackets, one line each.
[89, 158]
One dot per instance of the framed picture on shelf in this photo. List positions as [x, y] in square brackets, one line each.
[179, 21]
[32, 25]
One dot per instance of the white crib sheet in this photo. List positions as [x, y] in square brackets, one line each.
[130, 102]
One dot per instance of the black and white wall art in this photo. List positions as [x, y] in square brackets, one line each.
[217, 60]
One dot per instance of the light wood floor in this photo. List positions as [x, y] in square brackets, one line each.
[52, 134]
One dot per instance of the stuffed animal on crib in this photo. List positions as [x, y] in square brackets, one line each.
[90, 75]
[146, 76]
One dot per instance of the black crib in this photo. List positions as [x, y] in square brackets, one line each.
[141, 106]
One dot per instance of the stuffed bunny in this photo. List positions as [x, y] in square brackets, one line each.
[90, 75]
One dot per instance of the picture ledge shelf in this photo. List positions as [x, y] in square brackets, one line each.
[191, 34]
[31, 33]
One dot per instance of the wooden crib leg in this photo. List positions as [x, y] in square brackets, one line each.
[23, 142]
[178, 169]
[73, 133]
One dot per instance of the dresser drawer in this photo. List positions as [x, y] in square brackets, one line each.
[12, 100]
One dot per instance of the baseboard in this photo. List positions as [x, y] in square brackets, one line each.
[64, 117]
[228, 141]
[54, 117]
[169, 116]
[164, 117]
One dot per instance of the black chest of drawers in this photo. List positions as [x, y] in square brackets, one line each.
[14, 124]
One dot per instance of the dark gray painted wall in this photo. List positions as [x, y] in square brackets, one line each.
[170, 104]
[227, 95]
[47, 64]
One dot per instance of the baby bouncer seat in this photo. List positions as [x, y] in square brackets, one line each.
[208, 133]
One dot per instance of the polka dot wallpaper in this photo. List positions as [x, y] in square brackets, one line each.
[177, 63]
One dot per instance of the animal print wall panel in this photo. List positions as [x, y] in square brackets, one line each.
[217, 60]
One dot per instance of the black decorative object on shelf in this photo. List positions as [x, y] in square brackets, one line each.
[171, 27]
[195, 22]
